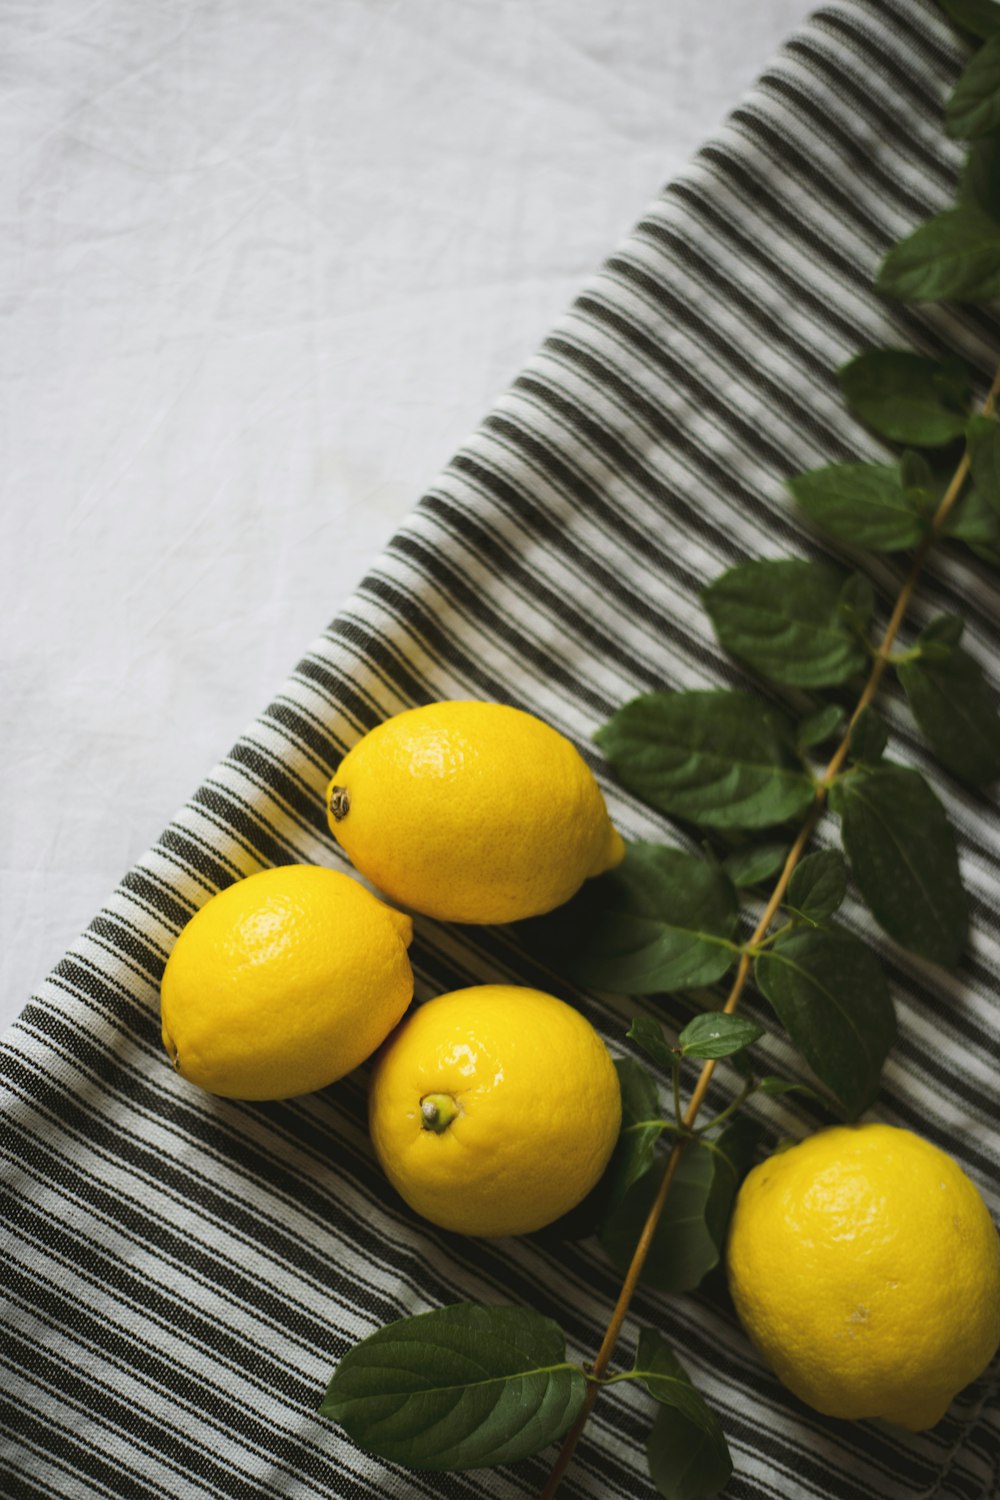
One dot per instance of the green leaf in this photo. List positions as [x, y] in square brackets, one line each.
[783, 618]
[828, 990]
[984, 458]
[641, 1129]
[719, 759]
[691, 1232]
[818, 885]
[903, 858]
[662, 921]
[826, 724]
[939, 638]
[865, 505]
[974, 520]
[752, 866]
[907, 397]
[649, 1036]
[869, 737]
[974, 106]
[953, 257]
[463, 1387]
[981, 17]
[734, 1148]
[687, 1451]
[857, 605]
[773, 1085]
[957, 710]
[980, 185]
[715, 1034]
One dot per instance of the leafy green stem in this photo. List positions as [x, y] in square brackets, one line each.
[880, 661]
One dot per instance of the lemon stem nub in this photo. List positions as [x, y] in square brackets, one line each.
[438, 1111]
[340, 803]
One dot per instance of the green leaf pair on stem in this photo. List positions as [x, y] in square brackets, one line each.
[466, 1387]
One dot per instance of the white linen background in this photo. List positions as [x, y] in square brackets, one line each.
[263, 265]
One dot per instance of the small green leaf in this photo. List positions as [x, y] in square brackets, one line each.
[718, 759]
[981, 17]
[715, 1034]
[869, 737]
[464, 1387]
[939, 638]
[980, 185]
[826, 724]
[857, 605]
[865, 505]
[984, 457]
[954, 257]
[649, 1036]
[662, 921]
[818, 885]
[974, 520]
[974, 106]
[828, 990]
[903, 858]
[957, 710]
[687, 1451]
[783, 618]
[907, 397]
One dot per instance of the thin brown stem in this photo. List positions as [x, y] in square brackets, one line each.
[879, 663]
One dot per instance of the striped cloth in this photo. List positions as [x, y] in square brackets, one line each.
[182, 1273]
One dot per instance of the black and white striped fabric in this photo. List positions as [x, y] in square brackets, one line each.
[182, 1273]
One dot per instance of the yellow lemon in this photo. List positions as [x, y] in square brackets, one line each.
[283, 983]
[865, 1267]
[471, 812]
[494, 1110]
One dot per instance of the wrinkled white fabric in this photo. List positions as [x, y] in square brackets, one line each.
[262, 268]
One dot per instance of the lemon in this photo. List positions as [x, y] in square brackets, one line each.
[865, 1267]
[494, 1110]
[283, 983]
[471, 812]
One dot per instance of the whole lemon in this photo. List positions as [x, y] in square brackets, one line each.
[494, 1110]
[471, 812]
[284, 982]
[865, 1267]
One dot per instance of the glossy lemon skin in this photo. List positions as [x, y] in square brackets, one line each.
[538, 1109]
[865, 1267]
[284, 982]
[471, 812]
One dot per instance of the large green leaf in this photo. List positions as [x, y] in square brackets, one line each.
[974, 106]
[903, 857]
[907, 397]
[818, 885]
[957, 710]
[751, 866]
[463, 1387]
[687, 1451]
[662, 921]
[784, 619]
[719, 759]
[830, 994]
[865, 505]
[953, 257]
